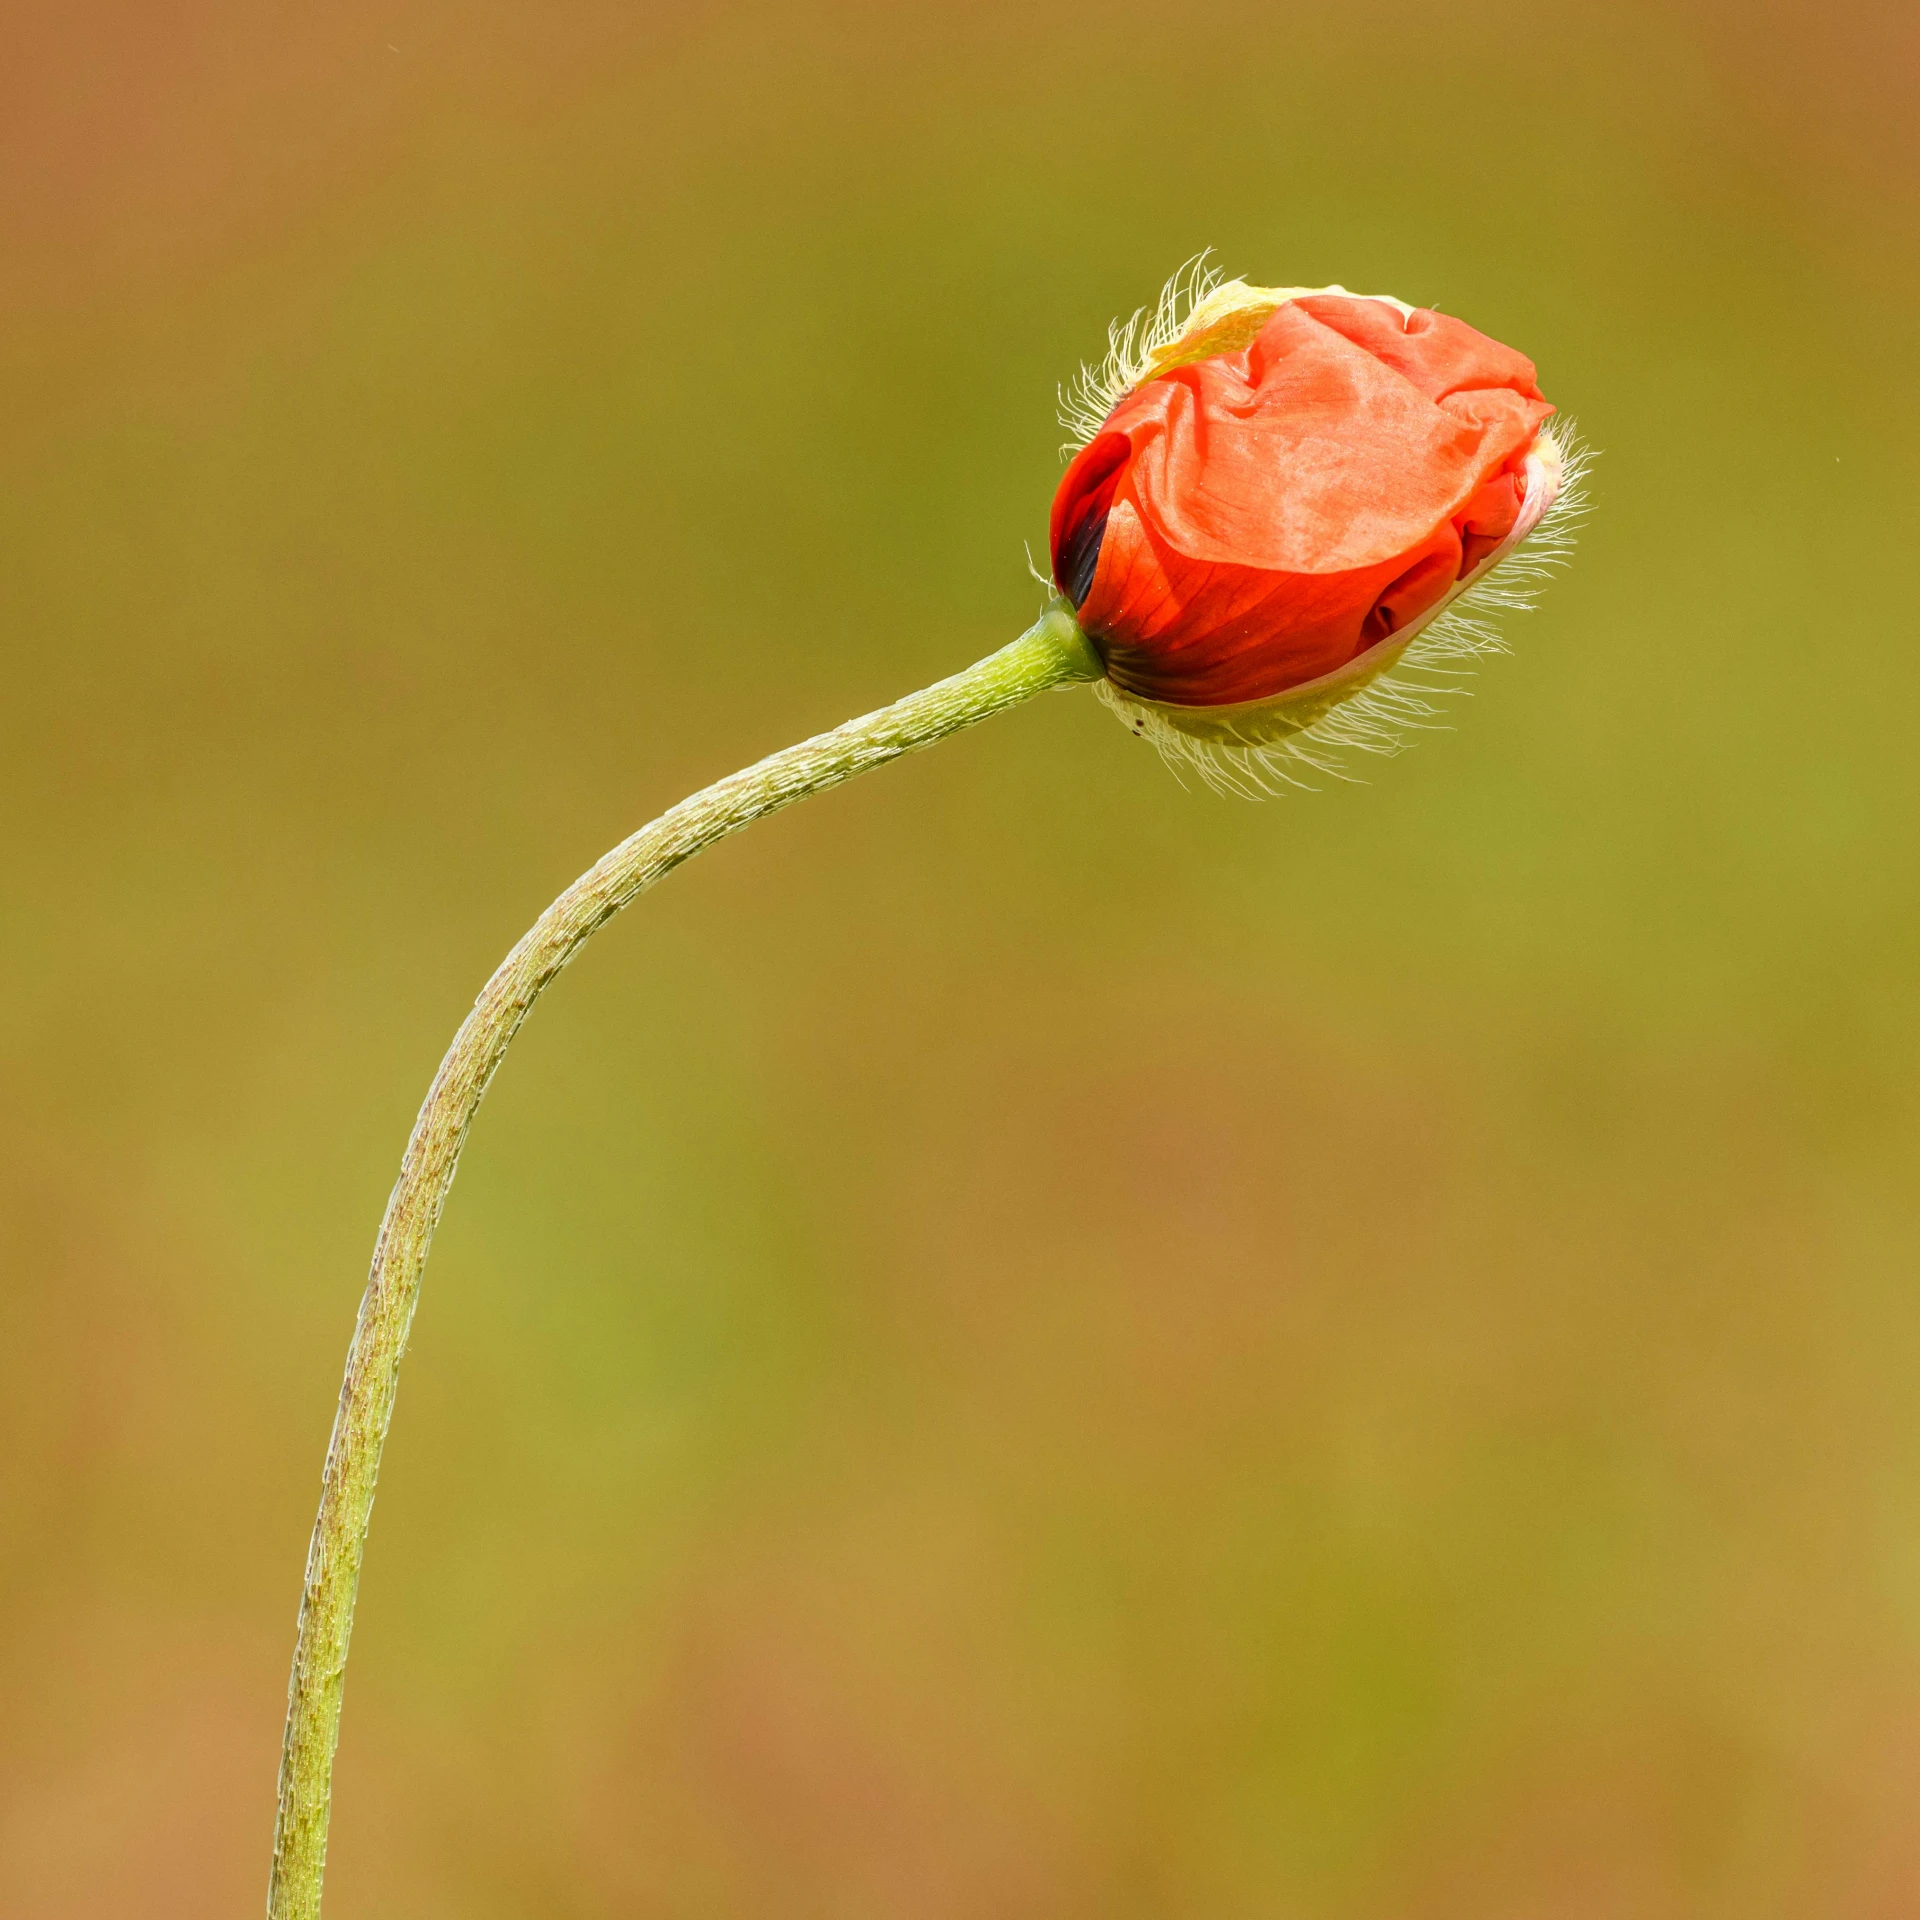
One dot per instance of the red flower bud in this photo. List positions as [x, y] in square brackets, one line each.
[1285, 490]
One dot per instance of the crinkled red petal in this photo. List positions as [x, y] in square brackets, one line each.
[1263, 516]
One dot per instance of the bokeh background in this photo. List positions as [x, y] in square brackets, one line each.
[1021, 1342]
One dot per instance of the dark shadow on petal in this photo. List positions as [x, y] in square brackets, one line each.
[1080, 512]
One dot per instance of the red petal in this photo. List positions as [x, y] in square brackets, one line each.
[1265, 515]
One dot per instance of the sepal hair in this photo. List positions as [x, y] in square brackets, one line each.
[1094, 392]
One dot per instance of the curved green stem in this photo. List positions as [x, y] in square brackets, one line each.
[1051, 654]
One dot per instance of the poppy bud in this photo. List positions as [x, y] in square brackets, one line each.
[1279, 494]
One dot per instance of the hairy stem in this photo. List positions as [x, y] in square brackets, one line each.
[1051, 654]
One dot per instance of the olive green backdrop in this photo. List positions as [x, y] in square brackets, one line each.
[1022, 1343]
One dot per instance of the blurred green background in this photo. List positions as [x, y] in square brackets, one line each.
[1021, 1342]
